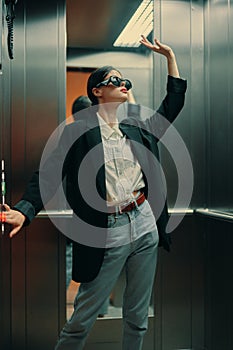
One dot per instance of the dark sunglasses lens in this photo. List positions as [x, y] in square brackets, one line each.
[128, 84]
[115, 81]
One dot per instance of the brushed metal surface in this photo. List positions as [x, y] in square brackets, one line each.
[32, 103]
[32, 97]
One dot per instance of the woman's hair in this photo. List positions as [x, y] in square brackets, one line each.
[95, 78]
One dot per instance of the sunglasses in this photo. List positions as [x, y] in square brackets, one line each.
[116, 81]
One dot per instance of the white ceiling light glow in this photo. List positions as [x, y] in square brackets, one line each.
[140, 23]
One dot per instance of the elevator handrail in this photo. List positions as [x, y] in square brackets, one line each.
[203, 211]
[55, 213]
[216, 213]
[68, 213]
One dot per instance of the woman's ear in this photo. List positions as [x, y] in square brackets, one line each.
[97, 92]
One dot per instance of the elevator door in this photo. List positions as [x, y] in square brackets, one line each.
[107, 331]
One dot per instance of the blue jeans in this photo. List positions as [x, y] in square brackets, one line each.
[69, 253]
[139, 258]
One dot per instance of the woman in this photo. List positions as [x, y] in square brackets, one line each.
[121, 221]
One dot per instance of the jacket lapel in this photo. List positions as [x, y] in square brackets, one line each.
[95, 148]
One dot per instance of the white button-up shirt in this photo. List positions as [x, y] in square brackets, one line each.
[123, 177]
[123, 172]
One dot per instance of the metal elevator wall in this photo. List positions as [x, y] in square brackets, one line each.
[201, 34]
[218, 103]
[193, 300]
[32, 98]
[194, 288]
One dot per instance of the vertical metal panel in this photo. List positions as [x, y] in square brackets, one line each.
[5, 247]
[179, 291]
[180, 25]
[179, 306]
[1, 36]
[196, 114]
[17, 166]
[219, 78]
[44, 85]
[176, 300]
[43, 285]
[183, 30]
[32, 100]
[219, 285]
[204, 55]
[5, 302]
[230, 114]
[218, 63]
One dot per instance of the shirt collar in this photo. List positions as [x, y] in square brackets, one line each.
[106, 130]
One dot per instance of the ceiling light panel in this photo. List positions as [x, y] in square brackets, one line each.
[140, 23]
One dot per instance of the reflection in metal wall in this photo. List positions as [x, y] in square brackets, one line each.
[32, 100]
[181, 26]
[201, 33]
[219, 154]
[219, 79]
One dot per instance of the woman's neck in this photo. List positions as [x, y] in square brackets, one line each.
[108, 112]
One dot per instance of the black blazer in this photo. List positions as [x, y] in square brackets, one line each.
[78, 162]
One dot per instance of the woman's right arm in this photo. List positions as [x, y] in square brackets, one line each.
[40, 189]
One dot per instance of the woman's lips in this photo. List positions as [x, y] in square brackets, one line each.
[124, 90]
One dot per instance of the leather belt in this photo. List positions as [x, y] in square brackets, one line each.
[132, 205]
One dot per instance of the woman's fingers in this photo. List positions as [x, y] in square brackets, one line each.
[14, 231]
[12, 217]
[6, 207]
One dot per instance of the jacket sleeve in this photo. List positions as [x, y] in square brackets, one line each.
[170, 107]
[174, 100]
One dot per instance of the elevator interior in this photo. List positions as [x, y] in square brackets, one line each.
[194, 288]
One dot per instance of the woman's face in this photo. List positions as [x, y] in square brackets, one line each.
[112, 93]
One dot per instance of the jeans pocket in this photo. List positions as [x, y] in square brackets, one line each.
[111, 220]
[145, 209]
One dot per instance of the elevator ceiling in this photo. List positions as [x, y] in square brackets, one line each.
[96, 24]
